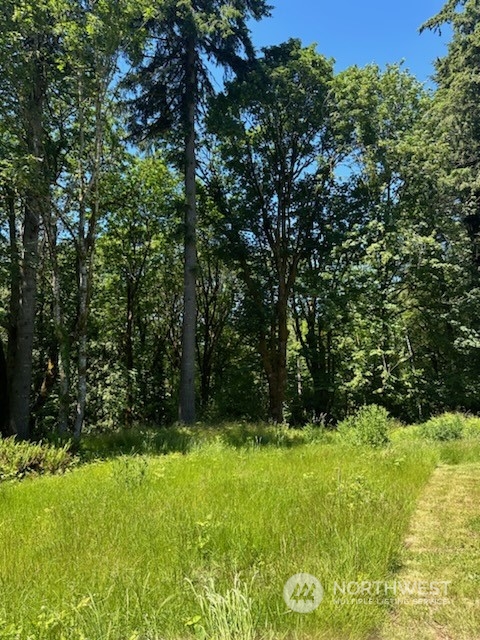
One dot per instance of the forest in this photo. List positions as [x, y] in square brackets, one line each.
[195, 230]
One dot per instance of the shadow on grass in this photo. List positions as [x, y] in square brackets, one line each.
[182, 439]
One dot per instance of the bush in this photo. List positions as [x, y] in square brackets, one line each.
[19, 459]
[370, 425]
[448, 426]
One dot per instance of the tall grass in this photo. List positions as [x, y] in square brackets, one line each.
[175, 547]
[182, 439]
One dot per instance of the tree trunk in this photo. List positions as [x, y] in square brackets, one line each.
[87, 228]
[82, 340]
[14, 306]
[274, 360]
[129, 357]
[63, 355]
[4, 425]
[276, 397]
[282, 312]
[187, 373]
[62, 367]
[36, 203]
[22, 370]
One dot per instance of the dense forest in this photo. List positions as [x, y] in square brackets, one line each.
[289, 246]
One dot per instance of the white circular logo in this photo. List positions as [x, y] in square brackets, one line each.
[302, 593]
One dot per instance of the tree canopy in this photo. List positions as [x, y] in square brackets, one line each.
[288, 243]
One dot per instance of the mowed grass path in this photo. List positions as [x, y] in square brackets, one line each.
[128, 549]
[444, 545]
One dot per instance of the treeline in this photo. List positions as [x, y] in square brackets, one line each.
[293, 246]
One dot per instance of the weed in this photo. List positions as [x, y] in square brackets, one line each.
[21, 459]
[369, 426]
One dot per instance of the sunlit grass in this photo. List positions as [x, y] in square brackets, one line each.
[135, 547]
[443, 545]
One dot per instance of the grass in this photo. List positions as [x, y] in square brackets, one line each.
[200, 545]
[199, 542]
[444, 545]
[446, 427]
[183, 439]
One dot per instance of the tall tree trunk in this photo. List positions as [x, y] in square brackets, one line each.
[276, 397]
[36, 202]
[83, 278]
[274, 360]
[82, 271]
[187, 372]
[282, 313]
[22, 369]
[87, 229]
[4, 425]
[129, 357]
[63, 354]
[62, 372]
[14, 306]
[82, 359]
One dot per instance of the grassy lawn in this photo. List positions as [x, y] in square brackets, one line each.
[200, 545]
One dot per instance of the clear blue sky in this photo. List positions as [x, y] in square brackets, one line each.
[358, 31]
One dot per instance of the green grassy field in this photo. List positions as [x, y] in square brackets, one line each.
[137, 546]
[199, 542]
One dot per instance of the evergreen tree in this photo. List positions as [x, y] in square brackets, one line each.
[171, 79]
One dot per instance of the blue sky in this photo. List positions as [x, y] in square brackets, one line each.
[358, 31]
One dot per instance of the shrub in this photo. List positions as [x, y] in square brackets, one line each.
[19, 459]
[370, 425]
[448, 426]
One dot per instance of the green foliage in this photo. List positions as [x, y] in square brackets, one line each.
[459, 451]
[448, 426]
[338, 221]
[131, 471]
[135, 441]
[21, 459]
[370, 425]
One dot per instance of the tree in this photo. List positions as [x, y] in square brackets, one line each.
[457, 110]
[216, 289]
[455, 129]
[4, 423]
[277, 139]
[28, 50]
[404, 286]
[172, 80]
[91, 34]
[140, 198]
